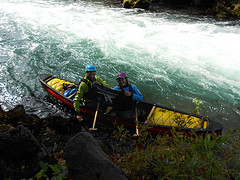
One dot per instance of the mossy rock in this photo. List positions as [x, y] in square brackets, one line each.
[226, 9]
[143, 4]
[128, 4]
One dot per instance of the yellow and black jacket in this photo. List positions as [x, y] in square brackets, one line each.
[83, 89]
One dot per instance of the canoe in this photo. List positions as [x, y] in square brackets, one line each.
[158, 119]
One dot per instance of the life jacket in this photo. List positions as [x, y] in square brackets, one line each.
[91, 94]
[125, 103]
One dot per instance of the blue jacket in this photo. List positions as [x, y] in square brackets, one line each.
[137, 95]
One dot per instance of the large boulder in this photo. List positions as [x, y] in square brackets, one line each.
[86, 160]
[143, 4]
[20, 153]
[15, 116]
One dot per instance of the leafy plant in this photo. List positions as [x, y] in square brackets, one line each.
[56, 171]
[180, 157]
[197, 103]
[42, 172]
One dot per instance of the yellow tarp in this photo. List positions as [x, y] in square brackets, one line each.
[58, 84]
[165, 117]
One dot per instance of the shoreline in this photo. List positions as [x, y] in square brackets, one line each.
[228, 10]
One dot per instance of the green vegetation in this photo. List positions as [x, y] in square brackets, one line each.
[227, 8]
[197, 103]
[180, 157]
[56, 171]
[49, 171]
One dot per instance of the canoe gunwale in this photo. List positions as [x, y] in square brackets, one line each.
[210, 123]
[44, 83]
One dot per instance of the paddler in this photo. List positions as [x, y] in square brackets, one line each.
[130, 95]
[84, 90]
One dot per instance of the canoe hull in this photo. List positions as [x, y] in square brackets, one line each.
[154, 128]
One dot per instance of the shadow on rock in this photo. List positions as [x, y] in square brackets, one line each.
[86, 160]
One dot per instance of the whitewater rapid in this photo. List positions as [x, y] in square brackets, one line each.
[171, 57]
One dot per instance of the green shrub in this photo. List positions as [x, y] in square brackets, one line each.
[56, 170]
[180, 157]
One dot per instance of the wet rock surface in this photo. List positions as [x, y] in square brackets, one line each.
[227, 9]
[25, 140]
[20, 153]
[86, 160]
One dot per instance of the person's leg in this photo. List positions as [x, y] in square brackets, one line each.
[126, 114]
[91, 105]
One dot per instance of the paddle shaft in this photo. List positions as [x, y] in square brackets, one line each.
[151, 112]
[72, 94]
[95, 118]
[137, 133]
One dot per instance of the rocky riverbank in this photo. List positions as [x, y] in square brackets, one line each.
[26, 140]
[63, 148]
[217, 8]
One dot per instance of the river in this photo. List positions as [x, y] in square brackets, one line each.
[172, 57]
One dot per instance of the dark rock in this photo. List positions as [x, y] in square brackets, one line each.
[15, 116]
[63, 125]
[128, 4]
[20, 153]
[2, 113]
[199, 3]
[143, 4]
[86, 160]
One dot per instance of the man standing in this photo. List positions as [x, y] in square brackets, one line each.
[84, 89]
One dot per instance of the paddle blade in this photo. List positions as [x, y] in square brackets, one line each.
[92, 129]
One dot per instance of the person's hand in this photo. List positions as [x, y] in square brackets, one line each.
[127, 93]
[79, 118]
[96, 82]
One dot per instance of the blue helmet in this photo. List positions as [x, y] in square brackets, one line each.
[90, 67]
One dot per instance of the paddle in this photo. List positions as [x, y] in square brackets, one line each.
[95, 118]
[150, 114]
[109, 108]
[72, 95]
[136, 114]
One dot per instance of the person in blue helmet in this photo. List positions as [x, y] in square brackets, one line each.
[84, 89]
[130, 95]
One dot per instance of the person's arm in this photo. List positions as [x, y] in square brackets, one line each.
[116, 88]
[82, 89]
[104, 83]
[137, 95]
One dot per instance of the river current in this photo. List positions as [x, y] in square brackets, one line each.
[172, 57]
